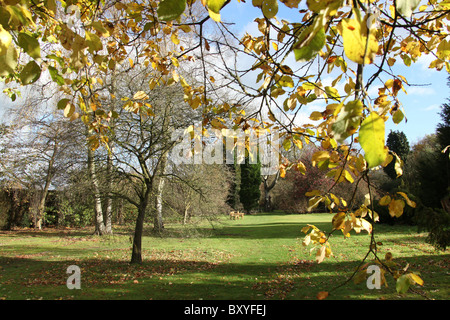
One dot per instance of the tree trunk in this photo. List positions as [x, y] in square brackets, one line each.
[187, 216]
[43, 198]
[109, 199]
[267, 188]
[136, 254]
[158, 219]
[98, 211]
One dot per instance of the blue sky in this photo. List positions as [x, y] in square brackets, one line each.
[421, 103]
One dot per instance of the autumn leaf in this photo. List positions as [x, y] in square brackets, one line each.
[5, 41]
[322, 295]
[372, 140]
[384, 201]
[410, 203]
[309, 43]
[170, 9]
[30, 73]
[269, 8]
[396, 207]
[360, 44]
[338, 221]
[215, 5]
[406, 7]
[348, 120]
[30, 45]
[140, 95]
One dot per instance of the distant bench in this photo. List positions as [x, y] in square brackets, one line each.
[234, 215]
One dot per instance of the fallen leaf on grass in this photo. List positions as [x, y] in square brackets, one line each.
[322, 295]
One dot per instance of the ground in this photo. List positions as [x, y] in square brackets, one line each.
[257, 258]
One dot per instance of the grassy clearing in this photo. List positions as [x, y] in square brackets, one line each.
[259, 257]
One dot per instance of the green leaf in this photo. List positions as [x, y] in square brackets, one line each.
[403, 284]
[30, 73]
[170, 9]
[30, 45]
[56, 77]
[347, 121]
[93, 41]
[309, 43]
[398, 116]
[215, 5]
[62, 104]
[269, 8]
[371, 139]
[406, 7]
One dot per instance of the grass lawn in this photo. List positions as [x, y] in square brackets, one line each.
[257, 258]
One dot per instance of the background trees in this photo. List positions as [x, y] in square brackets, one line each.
[249, 192]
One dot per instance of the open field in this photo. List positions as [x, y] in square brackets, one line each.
[257, 258]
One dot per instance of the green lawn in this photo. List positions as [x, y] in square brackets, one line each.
[259, 257]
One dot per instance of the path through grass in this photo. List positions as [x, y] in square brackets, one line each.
[259, 257]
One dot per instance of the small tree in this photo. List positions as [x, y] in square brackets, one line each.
[396, 142]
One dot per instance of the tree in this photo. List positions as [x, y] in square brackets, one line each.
[42, 148]
[443, 139]
[249, 192]
[397, 142]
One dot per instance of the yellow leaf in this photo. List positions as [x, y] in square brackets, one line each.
[320, 255]
[140, 95]
[312, 193]
[316, 115]
[174, 38]
[306, 240]
[300, 167]
[385, 200]
[313, 203]
[69, 110]
[306, 229]
[360, 44]
[131, 62]
[415, 278]
[320, 156]
[214, 16]
[396, 208]
[5, 40]
[338, 220]
[371, 139]
[410, 203]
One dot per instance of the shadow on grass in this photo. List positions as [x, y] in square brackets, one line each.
[23, 278]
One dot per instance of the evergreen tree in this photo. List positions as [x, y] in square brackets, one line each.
[398, 143]
[249, 192]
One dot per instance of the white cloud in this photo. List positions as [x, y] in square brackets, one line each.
[432, 107]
